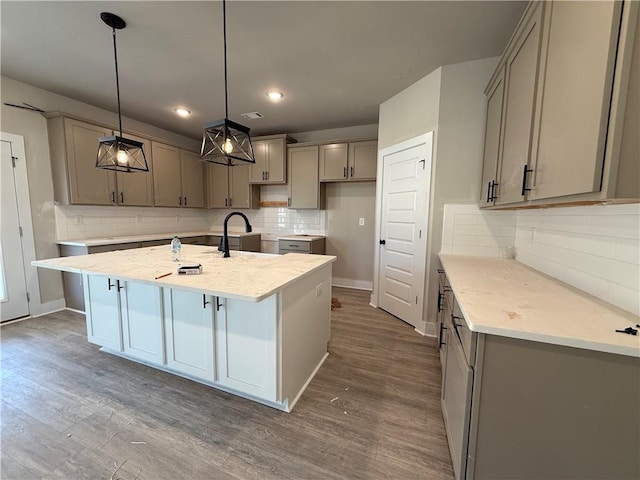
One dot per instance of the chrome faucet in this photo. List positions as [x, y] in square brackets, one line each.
[224, 241]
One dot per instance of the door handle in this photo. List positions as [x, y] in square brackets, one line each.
[231, 202]
[440, 342]
[113, 197]
[351, 172]
[524, 180]
[180, 200]
[109, 285]
[121, 197]
[344, 174]
[218, 304]
[118, 286]
[488, 192]
[226, 201]
[185, 201]
[204, 301]
[383, 242]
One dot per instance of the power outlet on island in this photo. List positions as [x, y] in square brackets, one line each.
[319, 290]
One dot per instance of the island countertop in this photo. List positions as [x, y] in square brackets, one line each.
[244, 276]
[507, 298]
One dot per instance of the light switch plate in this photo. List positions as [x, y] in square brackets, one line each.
[361, 222]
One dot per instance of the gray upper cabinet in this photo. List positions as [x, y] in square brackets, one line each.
[74, 145]
[575, 94]
[136, 189]
[228, 187]
[218, 186]
[178, 177]
[348, 161]
[495, 95]
[305, 190]
[270, 153]
[569, 86]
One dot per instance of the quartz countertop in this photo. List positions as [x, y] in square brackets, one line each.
[301, 238]
[94, 242]
[245, 275]
[506, 298]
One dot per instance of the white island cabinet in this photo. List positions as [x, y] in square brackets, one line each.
[254, 325]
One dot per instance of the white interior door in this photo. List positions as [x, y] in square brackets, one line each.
[13, 284]
[406, 177]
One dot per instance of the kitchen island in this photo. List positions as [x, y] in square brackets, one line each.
[255, 325]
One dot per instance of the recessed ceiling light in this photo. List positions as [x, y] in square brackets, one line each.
[252, 115]
[183, 112]
[274, 95]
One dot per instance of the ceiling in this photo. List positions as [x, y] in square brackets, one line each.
[334, 61]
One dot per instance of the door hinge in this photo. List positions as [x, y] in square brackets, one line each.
[28, 297]
[13, 161]
[20, 229]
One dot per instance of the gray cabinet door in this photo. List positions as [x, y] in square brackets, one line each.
[492, 141]
[333, 161]
[363, 160]
[218, 183]
[192, 180]
[166, 175]
[521, 75]
[136, 189]
[88, 185]
[304, 186]
[575, 96]
[239, 188]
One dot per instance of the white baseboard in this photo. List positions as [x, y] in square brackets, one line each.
[39, 309]
[349, 283]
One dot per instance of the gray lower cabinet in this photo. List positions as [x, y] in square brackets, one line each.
[314, 245]
[246, 243]
[522, 409]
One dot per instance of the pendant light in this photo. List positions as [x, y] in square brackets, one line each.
[116, 152]
[226, 142]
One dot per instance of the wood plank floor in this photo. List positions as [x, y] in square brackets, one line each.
[72, 412]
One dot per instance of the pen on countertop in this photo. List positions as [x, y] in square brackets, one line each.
[161, 276]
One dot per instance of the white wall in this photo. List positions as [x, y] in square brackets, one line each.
[593, 248]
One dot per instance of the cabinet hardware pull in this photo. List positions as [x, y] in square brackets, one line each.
[113, 197]
[185, 201]
[204, 301]
[288, 201]
[121, 197]
[383, 242]
[218, 304]
[524, 180]
[231, 202]
[440, 270]
[439, 301]
[440, 342]
[266, 175]
[180, 200]
[109, 285]
[351, 172]
[488, 192]
[226, 200]
[293, 246]
[344, 174]
[494, 184]
[118, 286]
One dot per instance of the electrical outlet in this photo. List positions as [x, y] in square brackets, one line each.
[361, 222]
[319, 290]
[78, 220]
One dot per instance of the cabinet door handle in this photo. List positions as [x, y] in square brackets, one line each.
[218, 304]
[266, 175]
[488, 192]
[440, 270]
[344, 172]
[113, 197]
[109, 284]
[494, 184]
[440, 342]
[288, 201]
[439, 301]
[226, 201]
[352, 172]
[118, 286]
[231, 202]
[524, 180]
[204, 301]
[180, 200]
[185, 201]
[121, 197]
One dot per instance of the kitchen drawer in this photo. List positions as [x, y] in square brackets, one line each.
[114, 247]
[234, 242]
[156, 243]
[300, 246]
[466, 336]
[194, 240]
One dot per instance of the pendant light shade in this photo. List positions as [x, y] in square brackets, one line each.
[116, 152]
[224, 141]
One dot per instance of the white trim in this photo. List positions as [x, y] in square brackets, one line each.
[50, 307]
[426, 139]
[354, 284]
[26, 220]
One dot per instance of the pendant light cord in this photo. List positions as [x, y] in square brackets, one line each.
[115, 57]
[224, 35]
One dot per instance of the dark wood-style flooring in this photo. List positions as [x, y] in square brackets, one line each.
[72, 412]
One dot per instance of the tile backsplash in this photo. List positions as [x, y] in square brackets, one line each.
[593, 248]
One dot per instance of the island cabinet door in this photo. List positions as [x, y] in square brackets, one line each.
[102, 311]
[141, 310]
[189, 333]
[247, 347]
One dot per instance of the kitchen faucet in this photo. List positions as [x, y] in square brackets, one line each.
[224, 241]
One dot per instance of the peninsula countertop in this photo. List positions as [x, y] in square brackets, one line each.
[507, 298]
[244, 276]
[94, 242]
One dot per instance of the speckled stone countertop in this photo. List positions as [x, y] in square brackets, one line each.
[245, 275]
[506, 298]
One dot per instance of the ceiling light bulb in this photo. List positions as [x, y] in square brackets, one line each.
[123, 157]
[183, 112]
[228, 146]
[274, 96]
